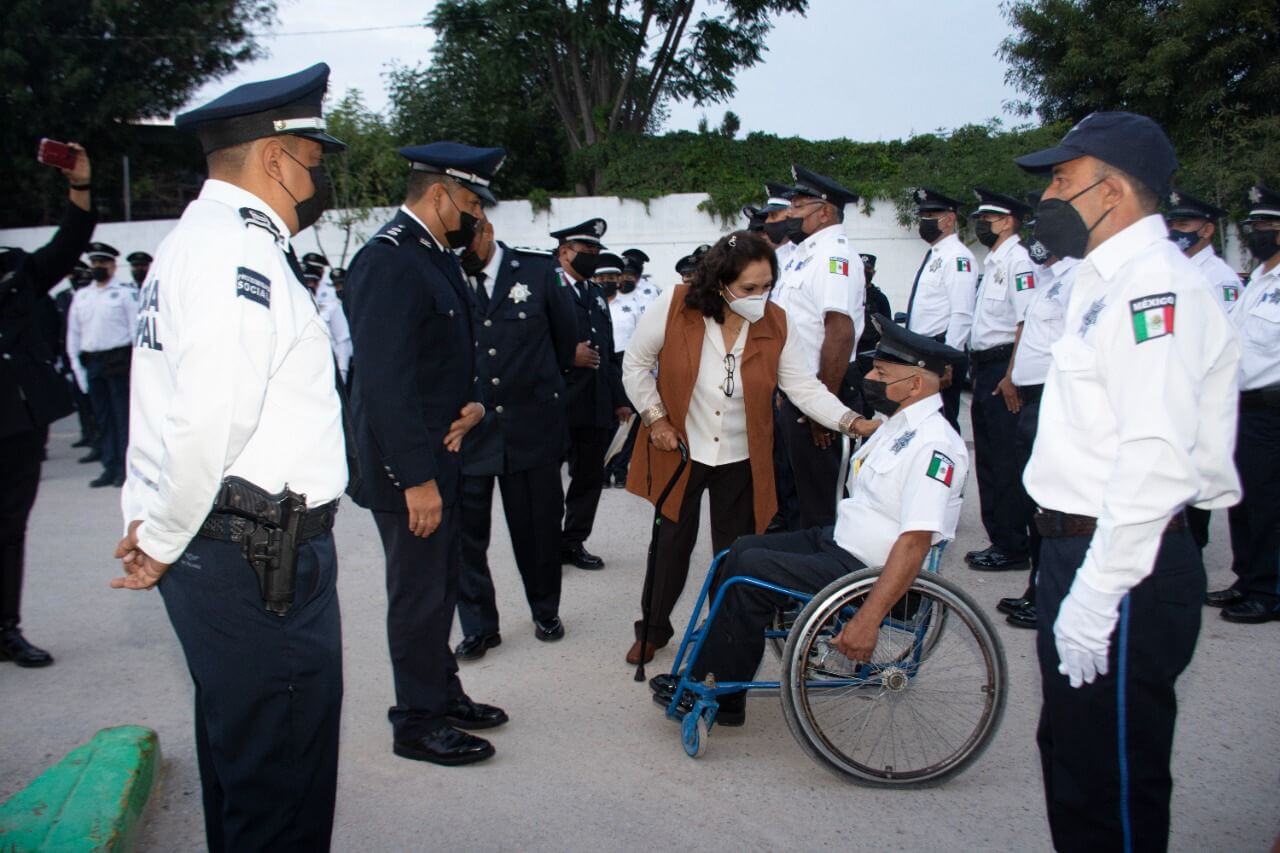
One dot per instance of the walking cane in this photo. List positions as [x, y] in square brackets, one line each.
[653, 554]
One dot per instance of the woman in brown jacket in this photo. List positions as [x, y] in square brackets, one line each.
[721, 349]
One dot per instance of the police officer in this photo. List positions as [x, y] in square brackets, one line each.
[1255, 522]
[100, 329]
[236, 464]
[634, 281]
[333, 317]
[754, 217]
[687, 265]
[821, 293]
[139, 266]
[641, 291]
[81, 277]
[1008, 282]
[942, 294]
[1192, 226]
[414, 392]
[776, 211]
[525, 333]
[597, 403]
[32, 393]
[1136, 421]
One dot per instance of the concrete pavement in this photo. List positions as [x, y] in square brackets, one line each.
[587, 762]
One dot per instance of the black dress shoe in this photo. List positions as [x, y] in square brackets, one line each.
[1024, 617]
[1250, 612]
[1223, 597]
[446, 746]
[732, 711]
[84, 441]
[582, 558]
[92, 456]
[474, 647]
[1012, 605]
[14, 647]
[995, 560]
[465, 714]
[106, 478]
[118, 481]
[664, 683]
[549, 630]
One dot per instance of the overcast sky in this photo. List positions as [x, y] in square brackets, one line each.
[862, 69]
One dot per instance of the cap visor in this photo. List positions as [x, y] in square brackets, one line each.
[1043, 161]
[330, 144]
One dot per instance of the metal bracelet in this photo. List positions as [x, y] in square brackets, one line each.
[654, 413]
[847, 420]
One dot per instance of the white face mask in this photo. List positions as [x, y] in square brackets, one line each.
[750, 308]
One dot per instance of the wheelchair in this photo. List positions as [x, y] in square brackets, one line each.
[919, 712]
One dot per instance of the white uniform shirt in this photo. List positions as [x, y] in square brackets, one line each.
[716, 425]
[945, 292]
[101, 317]
[1044, 322]
[644, 294]
[624, 311]
[335, 320]
[823, 276]
[786, 257]
[1223, 280]
[1257, 317]
[908, 476]
[1138, 417]
[1008, 283]
[232, 374]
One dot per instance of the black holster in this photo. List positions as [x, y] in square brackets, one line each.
[269, 537]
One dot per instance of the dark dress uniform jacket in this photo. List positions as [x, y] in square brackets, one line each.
[414, 367]
[32, 392]
[593, 393]
[525, 340]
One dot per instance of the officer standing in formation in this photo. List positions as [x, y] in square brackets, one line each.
[945, 286]
[634, 282]
[33, 394]
[414, 397]
[776, 211]
[100, 329]
[1139, 414]
[1008, 282]
[635, 294]
[525, 334]
[331, 313]
[597, 403]
[237, 440]
[1192, 226]
[139, 266]
[820, 293]
[1255, 522]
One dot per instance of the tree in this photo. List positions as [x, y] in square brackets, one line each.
[85, 69]
[1207, 70]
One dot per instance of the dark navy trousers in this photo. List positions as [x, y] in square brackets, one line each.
[1000, 493]
[1255, 521]
[268, 695]
[1104, 747]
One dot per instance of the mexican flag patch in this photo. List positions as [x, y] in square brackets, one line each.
[963, 265]
[1230, 293]
[839, 266]
[1024, 281]
[1152, 316]
[941, 468]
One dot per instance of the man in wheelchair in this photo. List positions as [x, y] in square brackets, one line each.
[905, 488]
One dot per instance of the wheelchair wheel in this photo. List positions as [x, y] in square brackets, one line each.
[780, 628]
[921, 710]
[694, 731]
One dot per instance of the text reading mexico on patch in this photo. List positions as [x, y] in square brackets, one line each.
[1152, 316]
[941, 468]
[253, 286]
[838, 266]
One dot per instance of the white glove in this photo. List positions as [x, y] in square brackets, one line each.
[1082, 633]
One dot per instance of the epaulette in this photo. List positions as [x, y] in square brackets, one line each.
[261, 220]
[390, 234]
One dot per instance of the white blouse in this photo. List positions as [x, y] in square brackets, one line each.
[716, 426]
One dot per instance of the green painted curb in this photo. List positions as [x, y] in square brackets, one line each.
[90, 800]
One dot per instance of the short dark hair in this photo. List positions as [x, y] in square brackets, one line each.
[722, 265]
[1148, 201]
[419, 182]
[229, 160]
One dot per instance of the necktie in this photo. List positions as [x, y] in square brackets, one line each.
[911, 301]
[482, 294]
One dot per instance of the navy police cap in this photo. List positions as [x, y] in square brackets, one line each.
[929, 200]
[821, 187]
[777, 197]
[609, 264]
[755, 217]
[1130, 142]
[590, 231]
[1183, 206]
[472, 167]
[899, 346]
[101, 250]
[1264, 204]
[634, 260]
[285, 105]
[990, 201]
[139, 258]
[868, 259]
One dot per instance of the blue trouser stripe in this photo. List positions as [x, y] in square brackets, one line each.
[1122, 666]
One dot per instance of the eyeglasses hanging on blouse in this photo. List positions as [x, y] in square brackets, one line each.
[729, 364]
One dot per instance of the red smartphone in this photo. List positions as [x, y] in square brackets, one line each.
[56, 154]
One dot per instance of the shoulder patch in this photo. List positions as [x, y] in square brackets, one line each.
[257, 218]
[838, 266]
[387, 238]
[1230, 293]
[963, 265]
[902, 441]
[941, 468]
[1152, 316]
[253, 286]
[526, 250]
[1024, 281]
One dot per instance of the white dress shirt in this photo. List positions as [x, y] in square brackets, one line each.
[1257, 317]
[823, 276]
[945, 292]
[1224, 281]
[1008, 283]
[335, 320]
[716, 426]
[1044, 322]
[232, 373]
[101, 317]
[909, 476]
[1138, 417]
[624, 311]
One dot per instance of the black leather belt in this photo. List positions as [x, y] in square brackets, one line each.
[982, 356]
[1030, 393]
[1261, 398]
[227, 527]
[1058, 525]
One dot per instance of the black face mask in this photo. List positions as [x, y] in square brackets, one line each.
[309, 209]
[1184, 240]
[929, 230]
[139, 276]
[610, 288]
[1061, 228]
[465, 233]
[983, 231]
[101, 274]
[627, 287]
[795, 230]
[876, 393]
[1262, 244]
[777, 231]
[585, 265]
